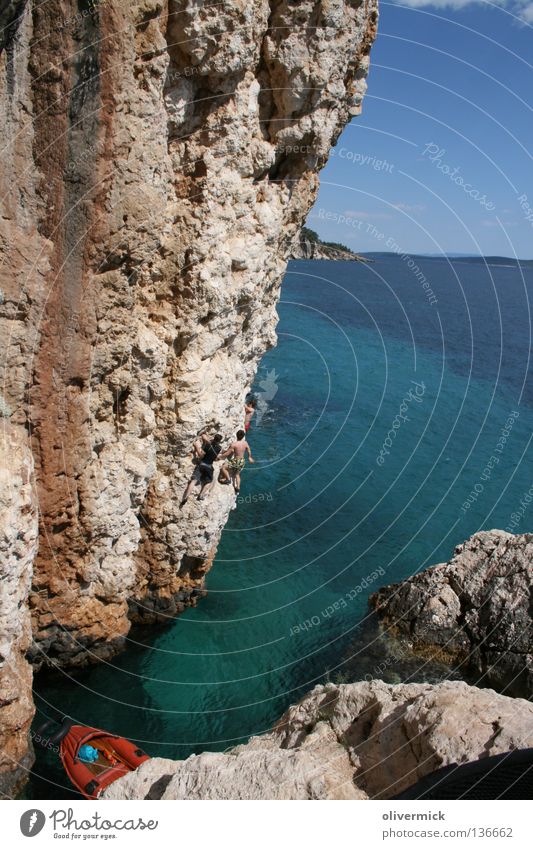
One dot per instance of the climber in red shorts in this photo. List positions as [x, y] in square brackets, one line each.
[249, 410]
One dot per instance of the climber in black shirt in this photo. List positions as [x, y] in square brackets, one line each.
[206, 451]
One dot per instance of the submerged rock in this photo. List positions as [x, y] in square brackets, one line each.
[352, 741]
[474, 611]
[375, 654]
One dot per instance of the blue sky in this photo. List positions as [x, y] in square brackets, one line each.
[441, 159]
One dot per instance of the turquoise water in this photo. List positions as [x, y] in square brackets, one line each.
[319, 513]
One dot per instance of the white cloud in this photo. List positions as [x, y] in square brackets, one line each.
[364, 215]
[407, 207]
[521, 8]
[526, 13]
[504, 224]
[439, 4]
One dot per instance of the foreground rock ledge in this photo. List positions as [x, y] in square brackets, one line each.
[474, 611]
[353, 741]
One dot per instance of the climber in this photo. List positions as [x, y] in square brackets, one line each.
[205, 452]
[249, 410]
[231, 471]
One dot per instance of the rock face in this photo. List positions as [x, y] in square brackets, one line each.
[18, 545]
[159, 158]
[165, 160]
[353, 741]
[475, 611]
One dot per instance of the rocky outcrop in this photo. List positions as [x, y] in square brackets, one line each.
[309, 245]
[158, 162]
[474, 611]
[18, 545]
[306, 249]
[353, 741]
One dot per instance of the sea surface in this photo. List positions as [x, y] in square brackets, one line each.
[379, 414]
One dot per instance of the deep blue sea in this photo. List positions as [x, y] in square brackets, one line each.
[379, 415]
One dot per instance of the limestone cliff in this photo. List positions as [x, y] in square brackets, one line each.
[18, 545]
[474, 611]
[353, 741]
[159, 157]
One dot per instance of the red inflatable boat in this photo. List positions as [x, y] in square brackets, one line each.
[116, 756]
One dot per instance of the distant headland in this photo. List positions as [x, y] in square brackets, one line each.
[311, 246]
